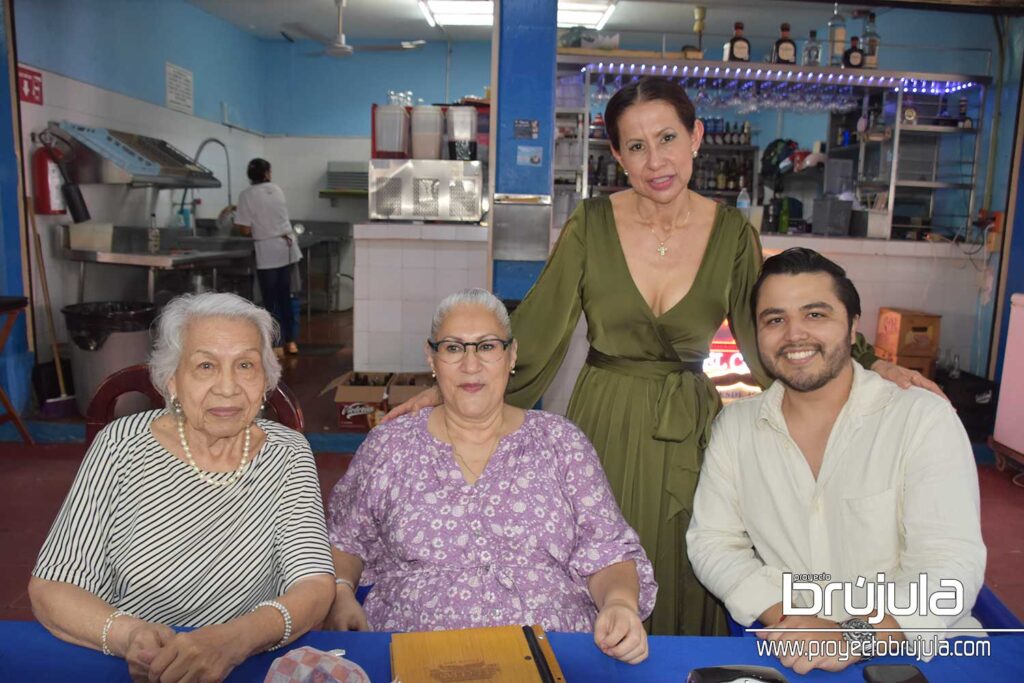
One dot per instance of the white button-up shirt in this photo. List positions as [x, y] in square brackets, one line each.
[897, 493]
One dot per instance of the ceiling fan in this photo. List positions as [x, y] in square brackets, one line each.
[337, 47]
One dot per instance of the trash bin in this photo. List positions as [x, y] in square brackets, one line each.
[108, 336]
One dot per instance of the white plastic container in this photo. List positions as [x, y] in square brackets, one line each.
[462, 124]
[391, 124]
[1009, 429]
[427, 132]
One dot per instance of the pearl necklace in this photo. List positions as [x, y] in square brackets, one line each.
[203, 475]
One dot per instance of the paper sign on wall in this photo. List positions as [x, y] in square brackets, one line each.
[30, 85]
[179, 88]
[529, 155]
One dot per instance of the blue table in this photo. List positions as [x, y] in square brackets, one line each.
[29, 653]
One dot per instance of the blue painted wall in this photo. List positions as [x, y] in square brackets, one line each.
[332, 96]
[16, 361]
[122, 45]
[269, 86]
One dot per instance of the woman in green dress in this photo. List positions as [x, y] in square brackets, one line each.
[655, 269]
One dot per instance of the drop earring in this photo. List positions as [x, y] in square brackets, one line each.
[694, 154]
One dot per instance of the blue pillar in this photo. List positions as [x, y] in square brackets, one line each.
[16, 360]
[527, 41]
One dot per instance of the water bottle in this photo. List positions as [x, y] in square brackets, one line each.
[743, 202]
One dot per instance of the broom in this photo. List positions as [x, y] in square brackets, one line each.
[64, 405]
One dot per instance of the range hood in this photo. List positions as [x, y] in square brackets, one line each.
[102, 155]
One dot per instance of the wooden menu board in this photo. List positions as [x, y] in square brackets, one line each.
[499, 654]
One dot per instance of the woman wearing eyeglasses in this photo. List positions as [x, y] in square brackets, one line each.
[477, 513]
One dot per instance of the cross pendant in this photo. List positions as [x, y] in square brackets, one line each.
[662, 249]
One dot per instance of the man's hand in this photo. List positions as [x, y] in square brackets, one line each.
[802, 663]
[905, 377]
[346, 613]
[205, 655]
[619, 633]
[143, 644]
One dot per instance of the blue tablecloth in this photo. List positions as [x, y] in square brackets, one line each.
[29, 653]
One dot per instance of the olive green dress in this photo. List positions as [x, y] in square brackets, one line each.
[642, 398]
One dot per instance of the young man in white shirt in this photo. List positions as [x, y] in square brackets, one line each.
[833, 471]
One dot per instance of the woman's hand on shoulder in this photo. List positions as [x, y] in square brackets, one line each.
[427, 398]
[905, 377]
[346, 613]
[142, 645]
[619, 632]
[206, 654]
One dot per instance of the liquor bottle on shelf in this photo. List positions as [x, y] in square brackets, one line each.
[784, 51]
[853, 57]
[727, 136]
[712, 183]
[872, 43]
[965, 120]
[738, 47]
[812, 50]
[836, 38]
[720, 179]
[746, 133]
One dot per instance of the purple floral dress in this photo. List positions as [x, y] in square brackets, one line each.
[516, 547]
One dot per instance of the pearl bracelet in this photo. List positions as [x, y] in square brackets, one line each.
[345, 582]
[106, 629]
[287, 621]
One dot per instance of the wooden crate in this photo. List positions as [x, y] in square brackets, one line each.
[902, 332]
[923, 364]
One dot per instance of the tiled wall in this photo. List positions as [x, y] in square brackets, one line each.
[398, 283]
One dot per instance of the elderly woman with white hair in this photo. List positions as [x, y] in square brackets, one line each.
[477, 513]
[200, 516]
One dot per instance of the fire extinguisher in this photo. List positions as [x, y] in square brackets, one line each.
[47, 181]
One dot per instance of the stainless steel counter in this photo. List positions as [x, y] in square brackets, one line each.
[181, 252]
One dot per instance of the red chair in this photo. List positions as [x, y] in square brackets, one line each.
[136, 379]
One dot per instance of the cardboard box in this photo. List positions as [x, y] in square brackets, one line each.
[361, 399]
[405, 385]
[903, 332]
[923, 364]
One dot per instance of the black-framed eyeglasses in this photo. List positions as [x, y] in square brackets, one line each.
[453, 351]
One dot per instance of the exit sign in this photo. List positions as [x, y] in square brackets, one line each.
[30, 85]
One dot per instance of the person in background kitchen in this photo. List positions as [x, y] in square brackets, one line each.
[655, 269]
[263, 215]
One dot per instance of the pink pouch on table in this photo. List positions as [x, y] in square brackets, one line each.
[309, 665]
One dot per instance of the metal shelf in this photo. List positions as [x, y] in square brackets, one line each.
[571, 111]
[729, 148]
[940, 130]
[932, 185]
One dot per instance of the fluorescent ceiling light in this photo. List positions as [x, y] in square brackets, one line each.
[588, 13]
[427, 15]
[462, 12]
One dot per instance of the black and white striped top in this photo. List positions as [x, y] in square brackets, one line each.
[140, 530]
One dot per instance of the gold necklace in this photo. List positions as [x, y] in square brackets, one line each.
[662, 249]
[455, 451]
